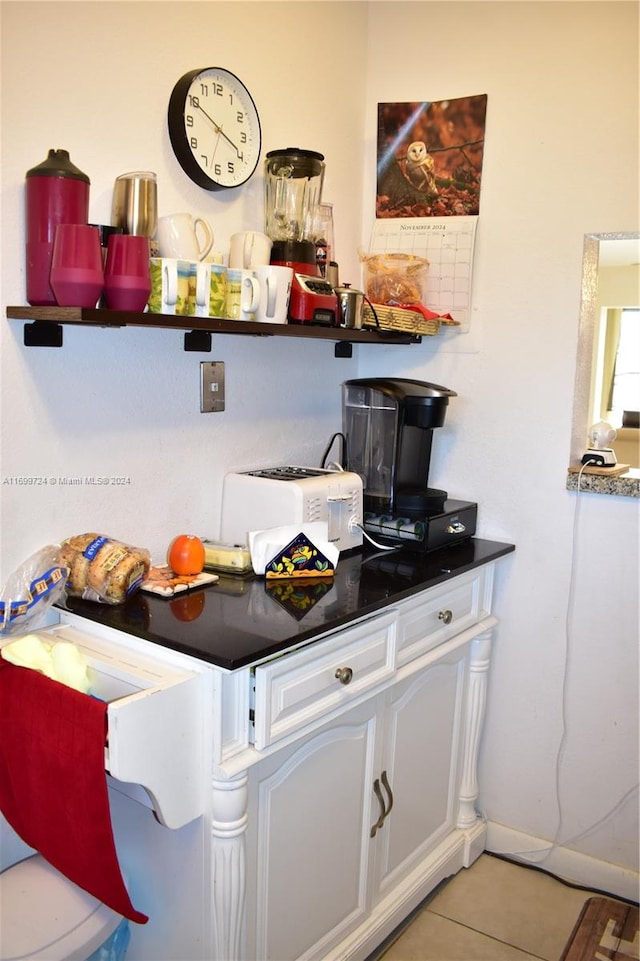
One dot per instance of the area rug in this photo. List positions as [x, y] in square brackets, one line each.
[606, 930]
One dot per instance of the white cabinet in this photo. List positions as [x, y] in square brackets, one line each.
[342, 822]
[421, 759]
[332, 787]
[308, 840]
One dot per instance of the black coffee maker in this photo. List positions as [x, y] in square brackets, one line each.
[388, 426]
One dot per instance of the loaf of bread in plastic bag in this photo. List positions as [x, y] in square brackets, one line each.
[103, 569]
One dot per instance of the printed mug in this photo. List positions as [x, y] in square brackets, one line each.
[170, 286]
[210, 281]
[243, 295]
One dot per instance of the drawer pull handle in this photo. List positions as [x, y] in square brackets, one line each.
[344, 674]
[445, 616]
[383, 811]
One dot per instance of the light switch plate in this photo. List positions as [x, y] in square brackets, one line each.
[211, 386]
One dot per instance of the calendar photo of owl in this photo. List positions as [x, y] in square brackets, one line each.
[419, 168]
[429, 161]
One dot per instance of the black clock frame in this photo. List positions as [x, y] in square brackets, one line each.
[180, 141]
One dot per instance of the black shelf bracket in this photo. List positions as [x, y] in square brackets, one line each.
[198, 340]
[38, 334]
[344, 348]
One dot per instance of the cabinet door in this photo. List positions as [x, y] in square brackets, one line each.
[308, 845]
[422, 723]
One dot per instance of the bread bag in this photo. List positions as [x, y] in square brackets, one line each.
[103, 569]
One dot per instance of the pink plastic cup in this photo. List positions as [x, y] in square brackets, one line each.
[127, 279]
[77, 276]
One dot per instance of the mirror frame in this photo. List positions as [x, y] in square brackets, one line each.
[587, 326]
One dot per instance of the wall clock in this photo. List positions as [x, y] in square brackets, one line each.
[214, 128]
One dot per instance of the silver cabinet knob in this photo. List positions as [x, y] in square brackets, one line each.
[344, 674]
[445, 616]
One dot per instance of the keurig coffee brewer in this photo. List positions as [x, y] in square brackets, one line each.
[388, 426]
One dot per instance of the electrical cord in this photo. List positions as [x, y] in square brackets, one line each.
[556, 877]
[338, 433]
[520, 856]
[353, 523]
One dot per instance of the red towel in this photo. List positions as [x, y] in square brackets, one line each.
[53, 786]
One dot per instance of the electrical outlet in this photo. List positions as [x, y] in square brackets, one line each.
[211, 386]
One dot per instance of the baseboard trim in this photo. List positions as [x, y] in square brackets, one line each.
[572, 866]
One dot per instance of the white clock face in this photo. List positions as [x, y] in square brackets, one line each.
[221, 129]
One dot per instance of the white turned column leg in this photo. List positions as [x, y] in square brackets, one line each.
[476, 701]
[228, 866]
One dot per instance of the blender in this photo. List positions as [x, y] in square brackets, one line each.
[293, 189]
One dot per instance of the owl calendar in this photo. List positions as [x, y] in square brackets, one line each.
[428, 179]
[429, 160]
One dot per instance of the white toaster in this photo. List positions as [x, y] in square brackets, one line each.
[275, 496]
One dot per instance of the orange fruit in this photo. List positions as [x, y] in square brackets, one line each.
[186, 554]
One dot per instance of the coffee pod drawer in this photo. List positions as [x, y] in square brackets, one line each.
[443, 612]
[304, 688]
[155, 722]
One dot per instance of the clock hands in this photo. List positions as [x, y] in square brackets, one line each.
[219, 130]
[215, 149]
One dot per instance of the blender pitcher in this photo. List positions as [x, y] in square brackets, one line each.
[293, 187]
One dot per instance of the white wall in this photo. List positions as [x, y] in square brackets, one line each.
[95, 78]
[561, 160]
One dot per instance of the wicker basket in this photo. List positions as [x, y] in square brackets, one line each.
[400, 319]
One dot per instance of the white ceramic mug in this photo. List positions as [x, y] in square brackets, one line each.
[210, 289]
[170, 286]
[249, 248]
[243, 294]
[275, 291]
[184, 237]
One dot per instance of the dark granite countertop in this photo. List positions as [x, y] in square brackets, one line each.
[242, 620]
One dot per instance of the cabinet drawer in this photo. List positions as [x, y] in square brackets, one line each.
[293, 691]
[444, 612]
[154, 716]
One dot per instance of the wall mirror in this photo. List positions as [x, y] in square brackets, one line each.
[607, 385]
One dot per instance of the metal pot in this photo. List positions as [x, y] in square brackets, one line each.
[350, 304]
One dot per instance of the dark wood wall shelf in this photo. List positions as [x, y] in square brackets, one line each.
[46, 328]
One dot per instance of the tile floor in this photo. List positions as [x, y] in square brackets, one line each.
[493, 911]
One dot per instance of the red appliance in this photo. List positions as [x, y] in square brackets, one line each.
[313, 299]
